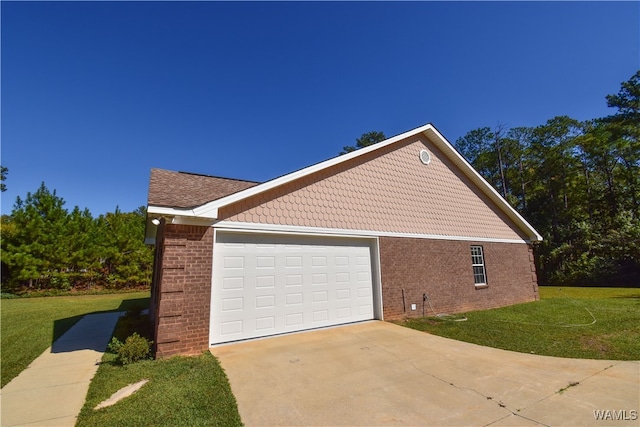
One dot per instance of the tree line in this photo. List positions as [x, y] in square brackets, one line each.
[578, 184]
[44, 246]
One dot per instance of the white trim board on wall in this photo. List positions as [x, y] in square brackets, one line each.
[290, 229]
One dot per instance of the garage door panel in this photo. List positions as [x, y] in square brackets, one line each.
[293, 262]
[230, 283]
[265, 281]
[232, 304]
[292, 280]
[265, 262]
[366, 309]
[318, 279]
[320, 316]
[269, 284]
[294, 319]
[344, 312]
[233, 262]
[343, 294]
[265, 324]
[265, 301]
[293, 298]
[364, 292]
[231, 328]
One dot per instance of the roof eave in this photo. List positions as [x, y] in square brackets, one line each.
[154, 210]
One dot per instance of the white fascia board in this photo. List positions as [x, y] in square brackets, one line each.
[178, 216]
[190, 220]
[164, 211]
[210, 210]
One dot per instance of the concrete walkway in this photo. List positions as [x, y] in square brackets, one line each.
[52, 389]
[381, 374]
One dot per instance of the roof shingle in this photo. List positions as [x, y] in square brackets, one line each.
[186, 190]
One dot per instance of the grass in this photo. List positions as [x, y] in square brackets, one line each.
[592, 323]
[30, 325]
[181, 390]
[588, 323]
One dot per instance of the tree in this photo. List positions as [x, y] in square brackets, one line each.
[624, 127]
[82, 241]
[518, 142]
[3, 176]
[365, 140]
[552, 151]
[33, 249]
[44, 246]
[485, 149]
[498, 137]
[627, 101]
[474, 144]
[126, 260]
[579, 186]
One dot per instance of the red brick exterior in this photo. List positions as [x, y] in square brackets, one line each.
[181, 293]
[442, 269]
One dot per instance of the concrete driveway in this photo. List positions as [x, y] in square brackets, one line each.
[377, 373]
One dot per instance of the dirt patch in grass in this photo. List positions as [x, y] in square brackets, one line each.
[599, 345]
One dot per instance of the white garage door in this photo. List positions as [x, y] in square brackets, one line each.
[270, 284]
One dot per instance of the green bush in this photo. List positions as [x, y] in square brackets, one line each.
[60, 282]
[135, 348]
[6, 295]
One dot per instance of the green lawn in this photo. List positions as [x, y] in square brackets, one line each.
[191, 391]
[597, 323]
[181, 390]
[589, 323]
[30, 325]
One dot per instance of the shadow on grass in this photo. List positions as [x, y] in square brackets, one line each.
[635, 296]
[90, 336]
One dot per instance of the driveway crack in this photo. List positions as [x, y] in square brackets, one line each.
[497, 402]
[560, 391]
[502, 405]
[571, 384]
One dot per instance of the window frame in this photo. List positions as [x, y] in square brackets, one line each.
[477, 254]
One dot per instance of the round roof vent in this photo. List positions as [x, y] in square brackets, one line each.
[425, 157]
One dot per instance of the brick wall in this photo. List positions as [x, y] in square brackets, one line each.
[442, 269]
[183, 290]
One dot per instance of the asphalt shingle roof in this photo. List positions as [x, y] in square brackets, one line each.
[188, 190]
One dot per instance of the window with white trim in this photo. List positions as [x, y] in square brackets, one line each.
[477, 261]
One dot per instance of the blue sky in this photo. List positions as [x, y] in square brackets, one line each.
[96, 94]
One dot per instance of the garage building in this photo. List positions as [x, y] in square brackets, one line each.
[402, 228]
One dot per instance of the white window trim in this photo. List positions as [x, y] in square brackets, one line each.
[482, 265]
